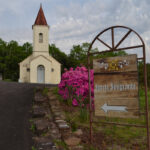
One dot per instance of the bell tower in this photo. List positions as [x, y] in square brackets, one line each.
[40, 35]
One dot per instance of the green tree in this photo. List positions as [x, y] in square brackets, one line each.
[141, 73]
[78, 54]
[11, 54]
[60, 56]
[148, 74]
[3, 53]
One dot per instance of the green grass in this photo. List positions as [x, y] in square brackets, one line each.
[55, 90]
[45, 91]
[124, 134]
[142, 98]
[89, 148]
[61, 144]
[33, 148]
[121, 135]
[32, 128]
[44, 134]
[8, 80]
[35, 89]
[31, 120]
[84, 115]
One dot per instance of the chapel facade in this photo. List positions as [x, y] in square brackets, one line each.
[40, 67]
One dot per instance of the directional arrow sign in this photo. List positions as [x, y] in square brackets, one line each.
[116, 89]
[107, 108]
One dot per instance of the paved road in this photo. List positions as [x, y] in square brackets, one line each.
[15, 113]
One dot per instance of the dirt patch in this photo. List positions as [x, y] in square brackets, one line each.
[101, 141]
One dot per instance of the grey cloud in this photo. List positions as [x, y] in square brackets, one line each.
[72, 23]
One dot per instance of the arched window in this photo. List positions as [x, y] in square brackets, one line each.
[40, 37]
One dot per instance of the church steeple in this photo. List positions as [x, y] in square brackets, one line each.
[40, 19]
[40, 35]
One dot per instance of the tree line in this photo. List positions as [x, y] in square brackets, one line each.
[11, 54]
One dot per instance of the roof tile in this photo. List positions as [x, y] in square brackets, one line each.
[40, 19]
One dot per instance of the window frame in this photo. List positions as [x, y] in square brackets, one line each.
[40, 37]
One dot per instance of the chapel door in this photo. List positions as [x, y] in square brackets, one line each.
[40, 74]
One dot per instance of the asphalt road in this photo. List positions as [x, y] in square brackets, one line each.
[15, 113]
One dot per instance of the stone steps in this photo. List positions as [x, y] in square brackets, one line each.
[46, 130]
[38, 112]
[72, 140]
[41, 126]
[44, 143]
[50, 124]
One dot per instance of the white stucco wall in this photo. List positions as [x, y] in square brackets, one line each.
[40, 56]
[24, 74]
[34, 64]
[40, 48]
[56, 74]
[48, 63]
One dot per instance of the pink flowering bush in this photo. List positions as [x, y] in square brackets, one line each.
[74, 86]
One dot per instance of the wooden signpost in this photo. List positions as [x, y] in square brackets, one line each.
[116, 81]
[116, 86]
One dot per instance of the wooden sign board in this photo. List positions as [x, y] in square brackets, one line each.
[116, 87]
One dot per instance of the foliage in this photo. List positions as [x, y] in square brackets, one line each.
[45, 91]
[114, 135]
[32, 128]
[78, 54]
[61, 144]
[74, 86]
[87, 147]
[142, 98]
[59, 56]
[111, 54]
[11, 54]
[141, 73]
[148, 74]
[84, 115]
[74, 126]
[33, 148]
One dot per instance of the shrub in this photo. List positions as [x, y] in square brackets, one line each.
[74, 86]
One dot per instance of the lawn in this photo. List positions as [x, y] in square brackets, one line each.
[105, 137]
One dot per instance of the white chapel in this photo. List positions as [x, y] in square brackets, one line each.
[40, 67]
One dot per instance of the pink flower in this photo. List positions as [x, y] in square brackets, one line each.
[74, 102]
[74, 85]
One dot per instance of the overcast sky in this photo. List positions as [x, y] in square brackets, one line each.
[73, 21]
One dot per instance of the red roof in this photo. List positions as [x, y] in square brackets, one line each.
[40, 19]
